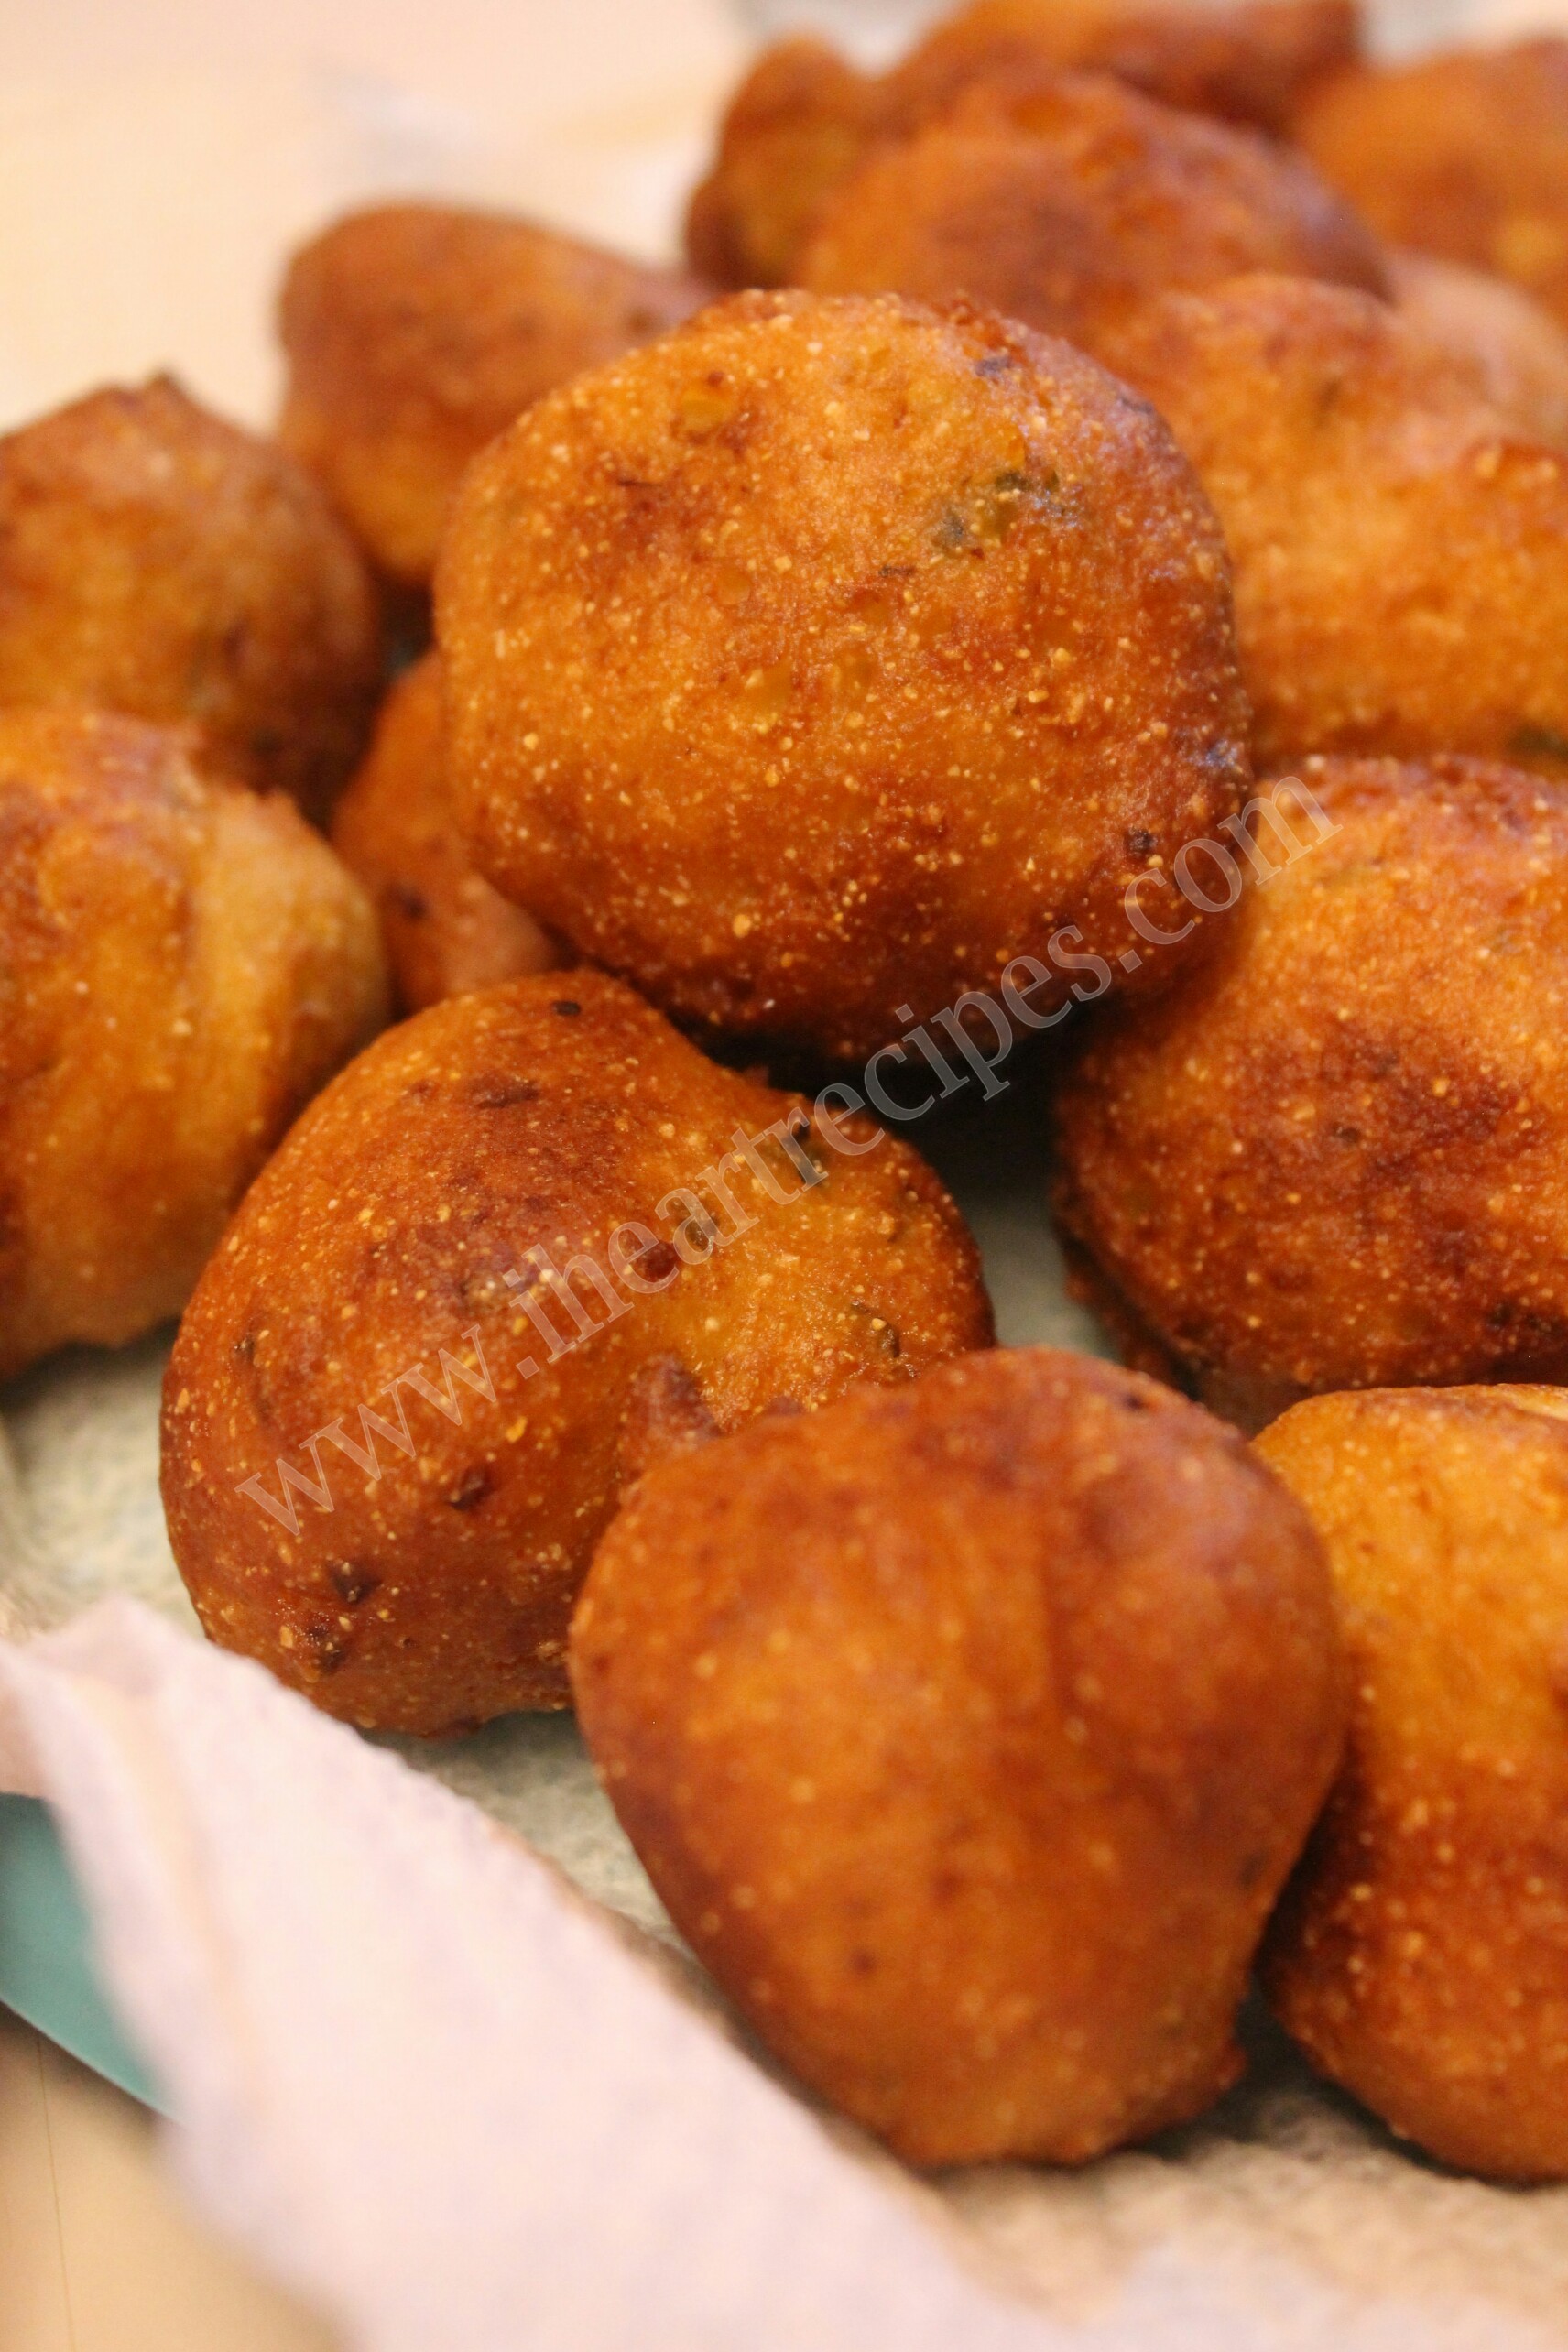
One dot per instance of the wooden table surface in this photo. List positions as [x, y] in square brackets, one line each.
[98, 2253]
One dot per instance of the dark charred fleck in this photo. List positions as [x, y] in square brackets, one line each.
[567, 1006]
[658, 1262]
[997, 363]
[470, 1489]
[410, 902]
[351, 1582]
[325, 1645]
[245, 1347]
[501, 1093]
[1140, 843]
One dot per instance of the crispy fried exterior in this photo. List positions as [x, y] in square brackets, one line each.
[182, 964]
[415, 333]
[809, 665]
[1512, 348]
[803, 118]
[1400, 553]
[157, 561]
[1420, 1954]
[967, 1735]
[373, 1253]
[446, 929]
[1072, 205]
[1463, 154]
[1337, 1156]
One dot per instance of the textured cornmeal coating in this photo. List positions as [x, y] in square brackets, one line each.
[967, 1735]
[803, 117]
[1463, 154]
[810, 664]
[1069, 203]
[1420, 1954]
[1400, 549]
[1512, 348]
[548, 1112]
[415, 333]
[445, 929]
[1336, 1158]
[182, 964]
[158, 561]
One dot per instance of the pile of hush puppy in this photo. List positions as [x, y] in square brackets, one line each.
[1116, 424]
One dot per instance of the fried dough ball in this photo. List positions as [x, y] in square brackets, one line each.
[1420, 1954]
[1463, 154]
[812, 663]
[1337, 1158]
[446, 929]
[532, 1240]
[1075, 203]
[1513, 350]
[1400, 553]
[157, 561]
[182, 964]
[803, 118]
[415, 333]
[968, 1733]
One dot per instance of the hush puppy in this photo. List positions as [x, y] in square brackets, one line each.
[157, 561]
[1073, 203]
[803, 117]
[1420, 1954]
[529, 1243]
[1463, 154]
[182, 964]
[967, 1735]
[415, 333]
[1400, 551]
[446, 931]
[1338, 1157]
[1512, 348]
[811, 664]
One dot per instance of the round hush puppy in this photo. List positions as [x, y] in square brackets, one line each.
[1420, 1954]
[811, 664]
[415, 333]
[529, 1243]
[1513, 350]
[182, 964]
[1074, 203]
[1338, 1157]
[1400, 549]
[157, 561]
[1463, 154]
[968, 1733]
[803, 117]
[445, 929]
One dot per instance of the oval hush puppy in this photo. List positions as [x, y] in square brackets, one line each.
[803, 117]
[530, 1242]
[811, 664]
[1073, 201]
[157, 561]
[415, 333]
[445, 929]
[181, 965]
[1512, 349]
[968, 1733]
[1420, 1954]
[1400, 551]
[1463, 154]
[1337, 1158]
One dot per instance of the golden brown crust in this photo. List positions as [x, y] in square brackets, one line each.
[1070, 202]
[415, 333]
[548, 1113]
[1335, 1158]
[1400, 551]
[157, 561]
[446, 929]
[1511, 348]
[1420, 1954]
[967, 1735]
[181, 965]
[846, 651]
[803, 118]
[1463, 154]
